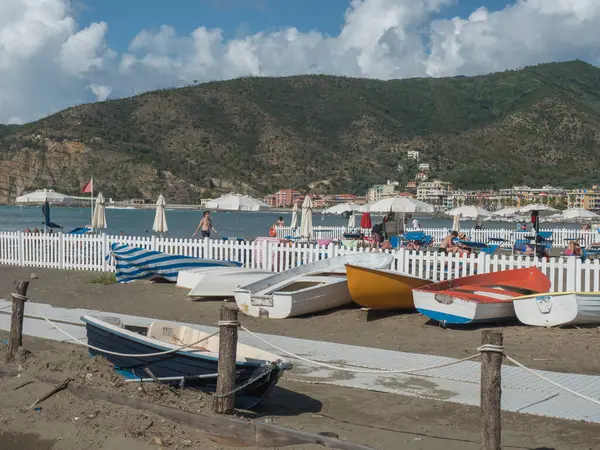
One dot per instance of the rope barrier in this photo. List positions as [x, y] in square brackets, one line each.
[348, 369]
[108, 352]
[481, 349]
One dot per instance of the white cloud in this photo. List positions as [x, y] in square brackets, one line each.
[101, 92]
[48, 62]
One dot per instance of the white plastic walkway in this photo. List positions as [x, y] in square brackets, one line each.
[521, 391]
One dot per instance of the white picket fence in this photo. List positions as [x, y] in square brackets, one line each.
[560, 237]
[88, 252]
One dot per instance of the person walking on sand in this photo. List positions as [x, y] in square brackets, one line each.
[206, 225]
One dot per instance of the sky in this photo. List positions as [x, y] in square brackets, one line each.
[59, 53]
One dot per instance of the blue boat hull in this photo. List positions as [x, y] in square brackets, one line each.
[179, 364]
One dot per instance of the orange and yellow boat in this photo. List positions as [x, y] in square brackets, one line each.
[382, 289]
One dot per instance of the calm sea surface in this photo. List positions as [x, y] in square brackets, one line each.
[183, 223]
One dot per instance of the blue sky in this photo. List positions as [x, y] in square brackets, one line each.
[235, 17]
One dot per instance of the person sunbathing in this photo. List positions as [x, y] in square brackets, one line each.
[525, 249]
[447, 245]
[574, 249]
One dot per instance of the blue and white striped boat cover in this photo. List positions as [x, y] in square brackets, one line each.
[133, 263]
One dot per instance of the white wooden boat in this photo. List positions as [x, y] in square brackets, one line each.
[221, 281]
[558, 308]
[215, 278]
[305, 289]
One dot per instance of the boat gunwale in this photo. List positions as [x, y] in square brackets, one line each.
[164, 346]
[557, 294]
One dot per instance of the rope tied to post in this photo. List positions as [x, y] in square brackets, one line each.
[233, 323]
[19, 296]
[489, 348]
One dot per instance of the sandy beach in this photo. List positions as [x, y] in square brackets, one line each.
[379, 420]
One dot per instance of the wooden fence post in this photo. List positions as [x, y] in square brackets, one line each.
[491, 391]
[16, 322]
[228, 336]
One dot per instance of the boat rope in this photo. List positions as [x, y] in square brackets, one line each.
[554, 383]
[131, 355]
[358, 370]
[268, 369]
[483, 348]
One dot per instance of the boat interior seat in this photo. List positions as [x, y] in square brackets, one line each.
[176, 334]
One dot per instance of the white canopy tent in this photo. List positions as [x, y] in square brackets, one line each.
[237, 202]
[42, 195]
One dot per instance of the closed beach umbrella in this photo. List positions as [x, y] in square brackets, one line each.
[456, 223]
[99, 220]
[160, 219]
[46, 211]
[306, 226]
[469, 212]
[294, 222]
[365, 221]
[351, 221]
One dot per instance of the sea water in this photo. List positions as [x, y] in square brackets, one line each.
[182, 224]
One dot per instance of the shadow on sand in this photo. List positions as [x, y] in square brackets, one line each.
[283, 402]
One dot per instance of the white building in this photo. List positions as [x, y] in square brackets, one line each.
[435, 192]
[424, 167]
[413, 154]
[379, 191]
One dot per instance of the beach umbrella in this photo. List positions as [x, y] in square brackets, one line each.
[237, 202]
[306, 227]
[577, 213]
[294, 222]
[456, 223]
[398, 204]
[539, 207]
[469, 212]
[506, 212]
[351, 221]
[41, 196]
[99, 219]
[342, 208]
[160, 219]
[46, 211]
[365, 221]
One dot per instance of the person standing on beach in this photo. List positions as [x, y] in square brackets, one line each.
[206, 225]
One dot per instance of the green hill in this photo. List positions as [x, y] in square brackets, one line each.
[539, 125]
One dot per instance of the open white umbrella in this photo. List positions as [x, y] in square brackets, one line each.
[469, 212]
[99, 219]
[294, 222]
[237, 202]
[398, 204]
[578, 213]
[342, 208]
[160, 219]
[306, 226]
[541, 208]
[41, 196]
[506, 212]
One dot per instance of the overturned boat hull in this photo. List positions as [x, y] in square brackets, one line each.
[554, 309]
